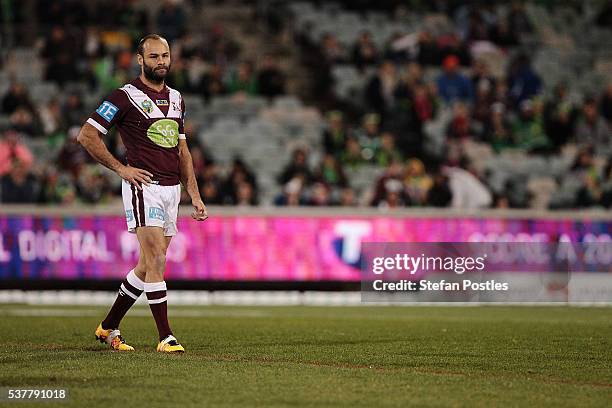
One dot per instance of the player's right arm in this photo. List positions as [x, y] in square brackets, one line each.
[89, 138]
[111, 111]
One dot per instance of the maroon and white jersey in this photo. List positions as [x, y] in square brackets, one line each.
[150, 124]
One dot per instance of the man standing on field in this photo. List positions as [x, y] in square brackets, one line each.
[150, 118]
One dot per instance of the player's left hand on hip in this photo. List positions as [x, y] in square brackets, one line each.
[200, 213]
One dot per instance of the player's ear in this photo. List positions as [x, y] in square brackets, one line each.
[139, 59]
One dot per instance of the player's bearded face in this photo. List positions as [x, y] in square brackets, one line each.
[156, 72]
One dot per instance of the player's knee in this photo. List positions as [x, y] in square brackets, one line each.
[157, 261]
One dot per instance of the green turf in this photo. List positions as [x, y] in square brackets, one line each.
[316, 356]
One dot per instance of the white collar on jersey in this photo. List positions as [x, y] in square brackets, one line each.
[148, 108]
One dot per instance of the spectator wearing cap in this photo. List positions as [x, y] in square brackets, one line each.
[452, 84]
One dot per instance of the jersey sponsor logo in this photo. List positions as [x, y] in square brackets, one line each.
[164, 133]
[161, 102]
[107, 110]
[175, 106]
[129, 215]
[146, 106]
[156, 213]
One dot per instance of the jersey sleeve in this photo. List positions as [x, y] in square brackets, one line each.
[111, 111]
[182, 122]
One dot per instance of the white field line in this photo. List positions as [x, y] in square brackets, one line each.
[57, 312]
[243, 298]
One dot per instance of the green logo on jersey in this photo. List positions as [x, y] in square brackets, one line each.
[164, 133]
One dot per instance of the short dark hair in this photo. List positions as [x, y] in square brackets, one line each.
[140, 48]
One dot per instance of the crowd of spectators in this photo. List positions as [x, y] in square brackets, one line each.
[385, 129]
[83, 46]
[510, 111]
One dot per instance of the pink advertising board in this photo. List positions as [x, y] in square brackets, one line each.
[249, 248]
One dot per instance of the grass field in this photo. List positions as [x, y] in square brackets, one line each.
[317, 356]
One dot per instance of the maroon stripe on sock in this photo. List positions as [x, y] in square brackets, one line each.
[131, 288]
[156, 295]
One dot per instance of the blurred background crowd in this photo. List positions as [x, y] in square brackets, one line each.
[473, 104]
